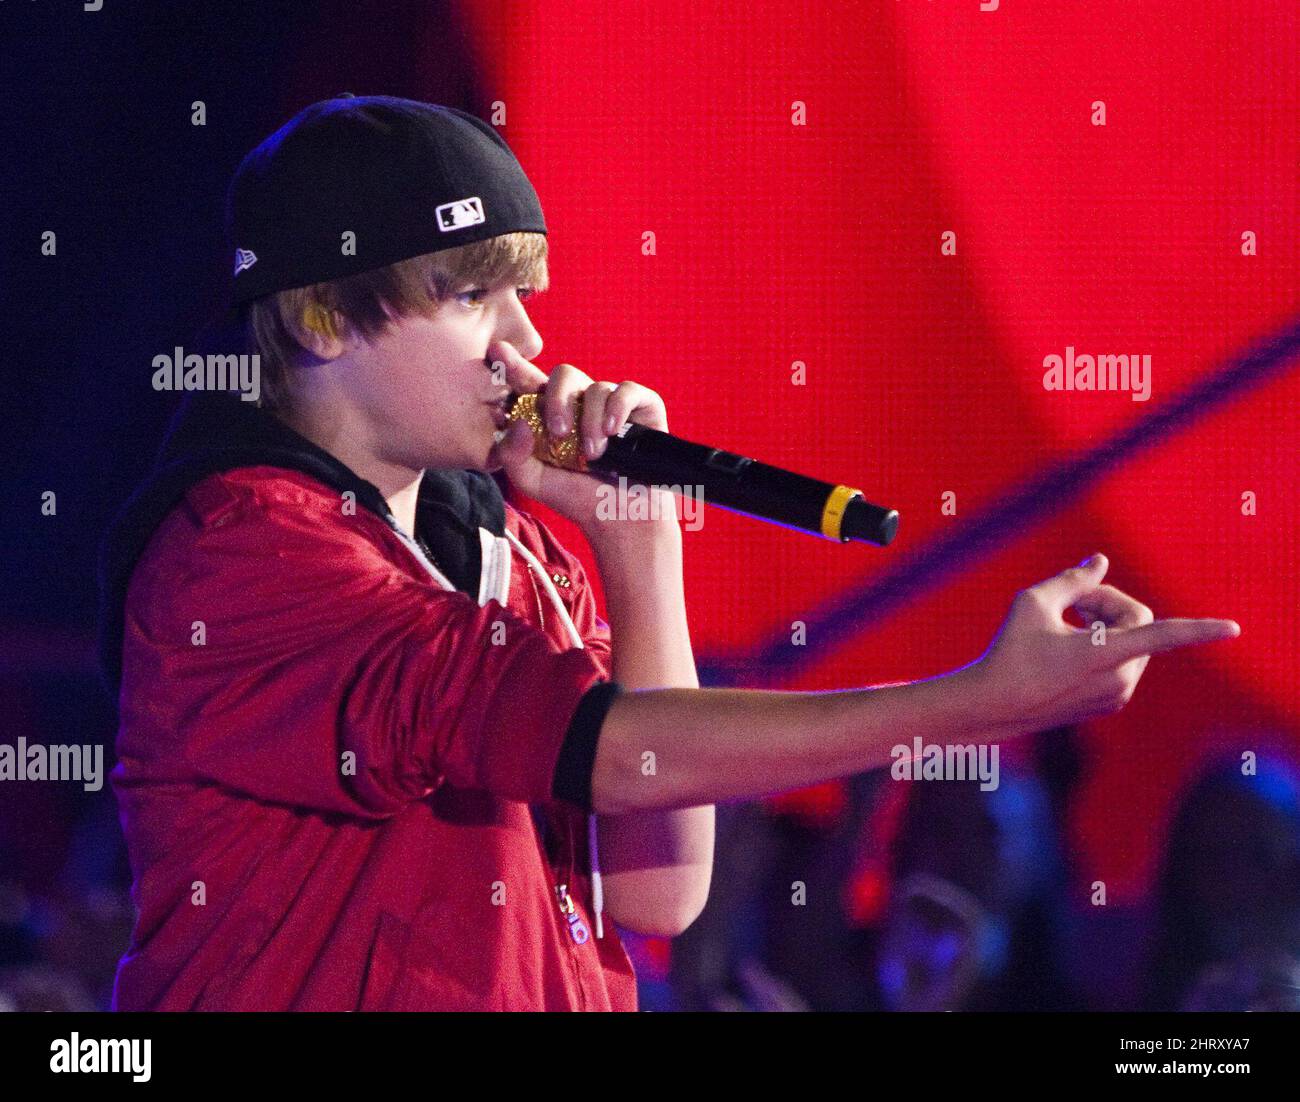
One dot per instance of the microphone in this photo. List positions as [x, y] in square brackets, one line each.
[736, 482]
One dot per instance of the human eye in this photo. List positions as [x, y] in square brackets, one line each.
[473, 298]
[525, 293]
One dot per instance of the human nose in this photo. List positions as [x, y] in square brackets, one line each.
[514, 325]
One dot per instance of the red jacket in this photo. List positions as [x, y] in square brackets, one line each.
[326, 763]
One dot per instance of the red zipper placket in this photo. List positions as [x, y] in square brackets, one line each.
[578, 930]
[573, 930]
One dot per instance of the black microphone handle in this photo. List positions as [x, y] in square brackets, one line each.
[744, 485]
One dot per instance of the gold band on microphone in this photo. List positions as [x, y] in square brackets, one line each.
[565, 452]
[833, 511]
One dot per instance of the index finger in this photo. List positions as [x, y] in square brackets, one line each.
[1165, 635]
[510, 368]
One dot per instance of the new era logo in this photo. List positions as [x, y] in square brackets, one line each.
[461, 213]
[244, 259]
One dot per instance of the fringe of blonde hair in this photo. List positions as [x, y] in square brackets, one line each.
[369, 302]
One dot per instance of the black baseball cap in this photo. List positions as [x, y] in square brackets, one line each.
[355, 183]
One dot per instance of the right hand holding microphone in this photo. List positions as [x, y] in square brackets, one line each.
[604, 409]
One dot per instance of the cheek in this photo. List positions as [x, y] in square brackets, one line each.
[435, 380]
[419, 372]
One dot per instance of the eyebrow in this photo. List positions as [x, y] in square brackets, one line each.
[471, 285]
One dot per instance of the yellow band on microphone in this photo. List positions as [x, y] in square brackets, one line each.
[833, 511]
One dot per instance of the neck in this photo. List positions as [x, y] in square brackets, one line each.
[399, 484]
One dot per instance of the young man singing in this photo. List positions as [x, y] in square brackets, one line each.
[377, 749]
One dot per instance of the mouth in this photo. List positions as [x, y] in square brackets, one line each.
[498, 409]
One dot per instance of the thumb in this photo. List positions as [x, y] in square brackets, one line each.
[514, 448]
[1070, 585]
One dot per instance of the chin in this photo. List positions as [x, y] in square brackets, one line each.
[469, 462]
[469, 456]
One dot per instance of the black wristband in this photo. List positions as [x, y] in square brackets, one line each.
[577, 759]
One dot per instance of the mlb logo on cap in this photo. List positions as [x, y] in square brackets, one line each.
[461, 213]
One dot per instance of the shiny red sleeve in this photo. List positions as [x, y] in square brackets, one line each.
[278, 650]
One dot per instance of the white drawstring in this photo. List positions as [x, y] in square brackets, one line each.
[533, 561]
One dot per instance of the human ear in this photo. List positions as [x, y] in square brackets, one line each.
[319, 332]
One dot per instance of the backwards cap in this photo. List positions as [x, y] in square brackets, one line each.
[404, 178]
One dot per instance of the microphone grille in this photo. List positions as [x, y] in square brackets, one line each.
[565, 452]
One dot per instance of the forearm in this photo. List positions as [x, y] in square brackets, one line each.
[644, 596]
[667, 748]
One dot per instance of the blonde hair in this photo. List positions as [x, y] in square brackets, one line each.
[369, 302]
